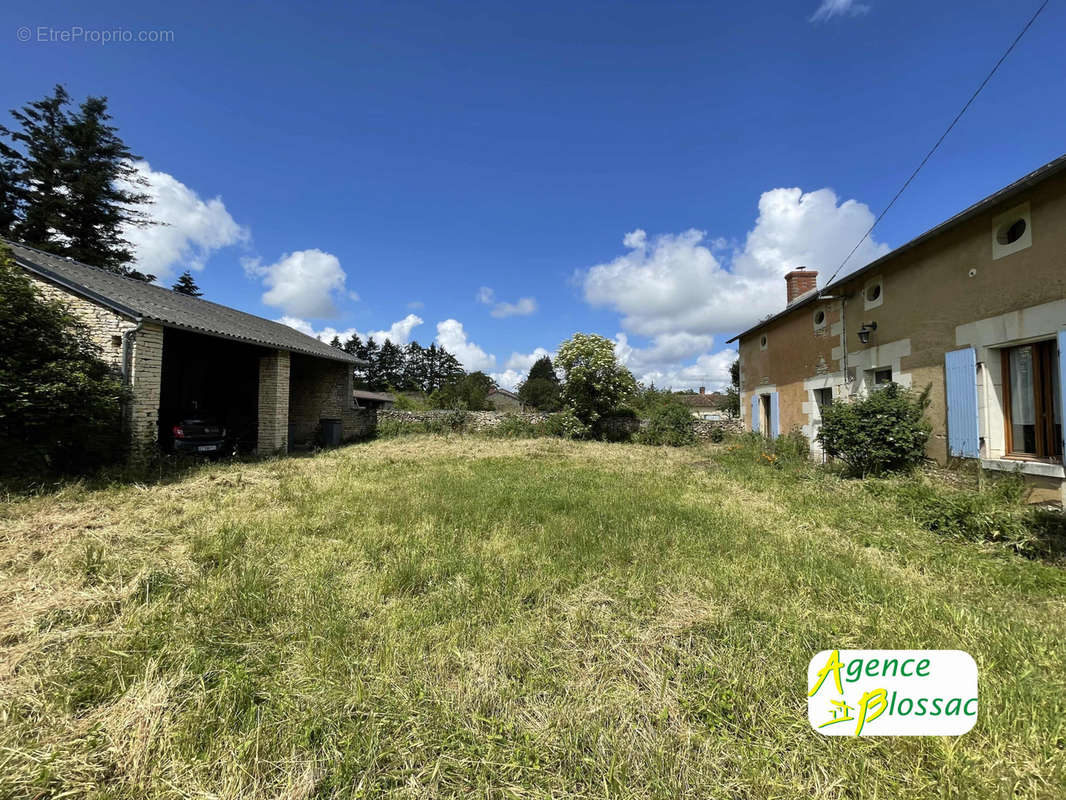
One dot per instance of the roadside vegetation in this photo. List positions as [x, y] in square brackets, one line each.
[444, 616]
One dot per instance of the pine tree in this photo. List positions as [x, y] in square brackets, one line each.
[414, 368]
[38, 170]
[541, 388]
[9, 185]
[370, 373]
[102, 194]
[336, 342]
[390, 365]
[186, 284]
[354, 345]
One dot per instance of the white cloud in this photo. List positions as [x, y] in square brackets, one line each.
[660, 365]
[399, 332]
[517, 367]
[452, 337]
[838, 8]
[191, 228]
[680, 290]
[523, 307]
[416, 305]
[674, 283]
[301, 283]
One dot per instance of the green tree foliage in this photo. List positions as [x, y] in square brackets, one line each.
[542, 389]
[596, 384]
[60, 404]
[99, 174]
[669, 423]
[186, 284]
[732, 394]
[390, 367]
[38, 150]
[886, 431]
[469, 392]
[67, 183]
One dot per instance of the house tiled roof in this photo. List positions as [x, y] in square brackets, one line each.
[504, 392]
[139, 300]
[700, 400]
[1035, 177]
[382, 397]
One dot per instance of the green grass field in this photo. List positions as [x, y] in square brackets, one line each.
[443, 617]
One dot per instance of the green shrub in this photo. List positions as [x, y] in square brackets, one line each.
[60, 404]
[884, 432]
[513, 426]
[792, 447]
[566, 425]
[669, 424]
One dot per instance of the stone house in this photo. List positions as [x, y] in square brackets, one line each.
[503, 400]
[174, 351]
[974, 308]
[703, 405]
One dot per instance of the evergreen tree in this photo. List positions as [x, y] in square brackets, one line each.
[732, 393]
[354, 345]
[102, 195]
[186, 284]
[9, 185]
[336, 342]
[414, 368]
[68, 185]
[541, 388]
[370, 373]
[39, 161]
[390, 365]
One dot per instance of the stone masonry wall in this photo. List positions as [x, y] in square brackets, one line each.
[359, 423]
[106, 330]
[146, 371]
[478, 421]
[273, 403]
[103, 323]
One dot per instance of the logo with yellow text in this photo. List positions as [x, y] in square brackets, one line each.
[892, 692]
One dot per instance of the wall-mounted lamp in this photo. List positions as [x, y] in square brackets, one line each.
[865, 331]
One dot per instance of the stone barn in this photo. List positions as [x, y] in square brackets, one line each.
[270, 383]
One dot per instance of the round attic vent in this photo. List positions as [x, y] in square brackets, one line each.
[1011, 232]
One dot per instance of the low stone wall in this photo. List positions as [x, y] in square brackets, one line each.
[477, 421]
[705, 428]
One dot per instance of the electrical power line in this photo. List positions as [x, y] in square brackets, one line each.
[943, 136]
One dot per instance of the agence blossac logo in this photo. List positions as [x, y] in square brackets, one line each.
[892, 692]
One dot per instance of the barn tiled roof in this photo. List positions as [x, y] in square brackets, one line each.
[140, 300]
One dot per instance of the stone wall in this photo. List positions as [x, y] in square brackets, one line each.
[359, 423]
[705, 428]
[107, 330]
[478, 421]
[273, 403]
[106, 327]
[475, 420]
[145, 376]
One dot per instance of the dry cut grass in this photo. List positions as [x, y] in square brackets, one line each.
[442, 617]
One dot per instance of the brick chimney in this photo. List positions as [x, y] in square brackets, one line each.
[800, 281]
[703, 390]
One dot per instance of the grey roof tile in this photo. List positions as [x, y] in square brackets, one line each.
[138, 299]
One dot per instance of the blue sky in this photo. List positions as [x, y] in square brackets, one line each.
[497, 176]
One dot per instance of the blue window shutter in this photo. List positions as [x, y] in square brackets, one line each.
[755, 413]
[775, 416]
[1062, 390]
[960, 379]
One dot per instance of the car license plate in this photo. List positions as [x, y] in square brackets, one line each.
[204, 447]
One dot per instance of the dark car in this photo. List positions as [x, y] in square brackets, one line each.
[196, 433]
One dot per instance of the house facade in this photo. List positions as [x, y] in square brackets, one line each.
[175, 352]
[503, 400]
[704, 406]
[975, 309]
